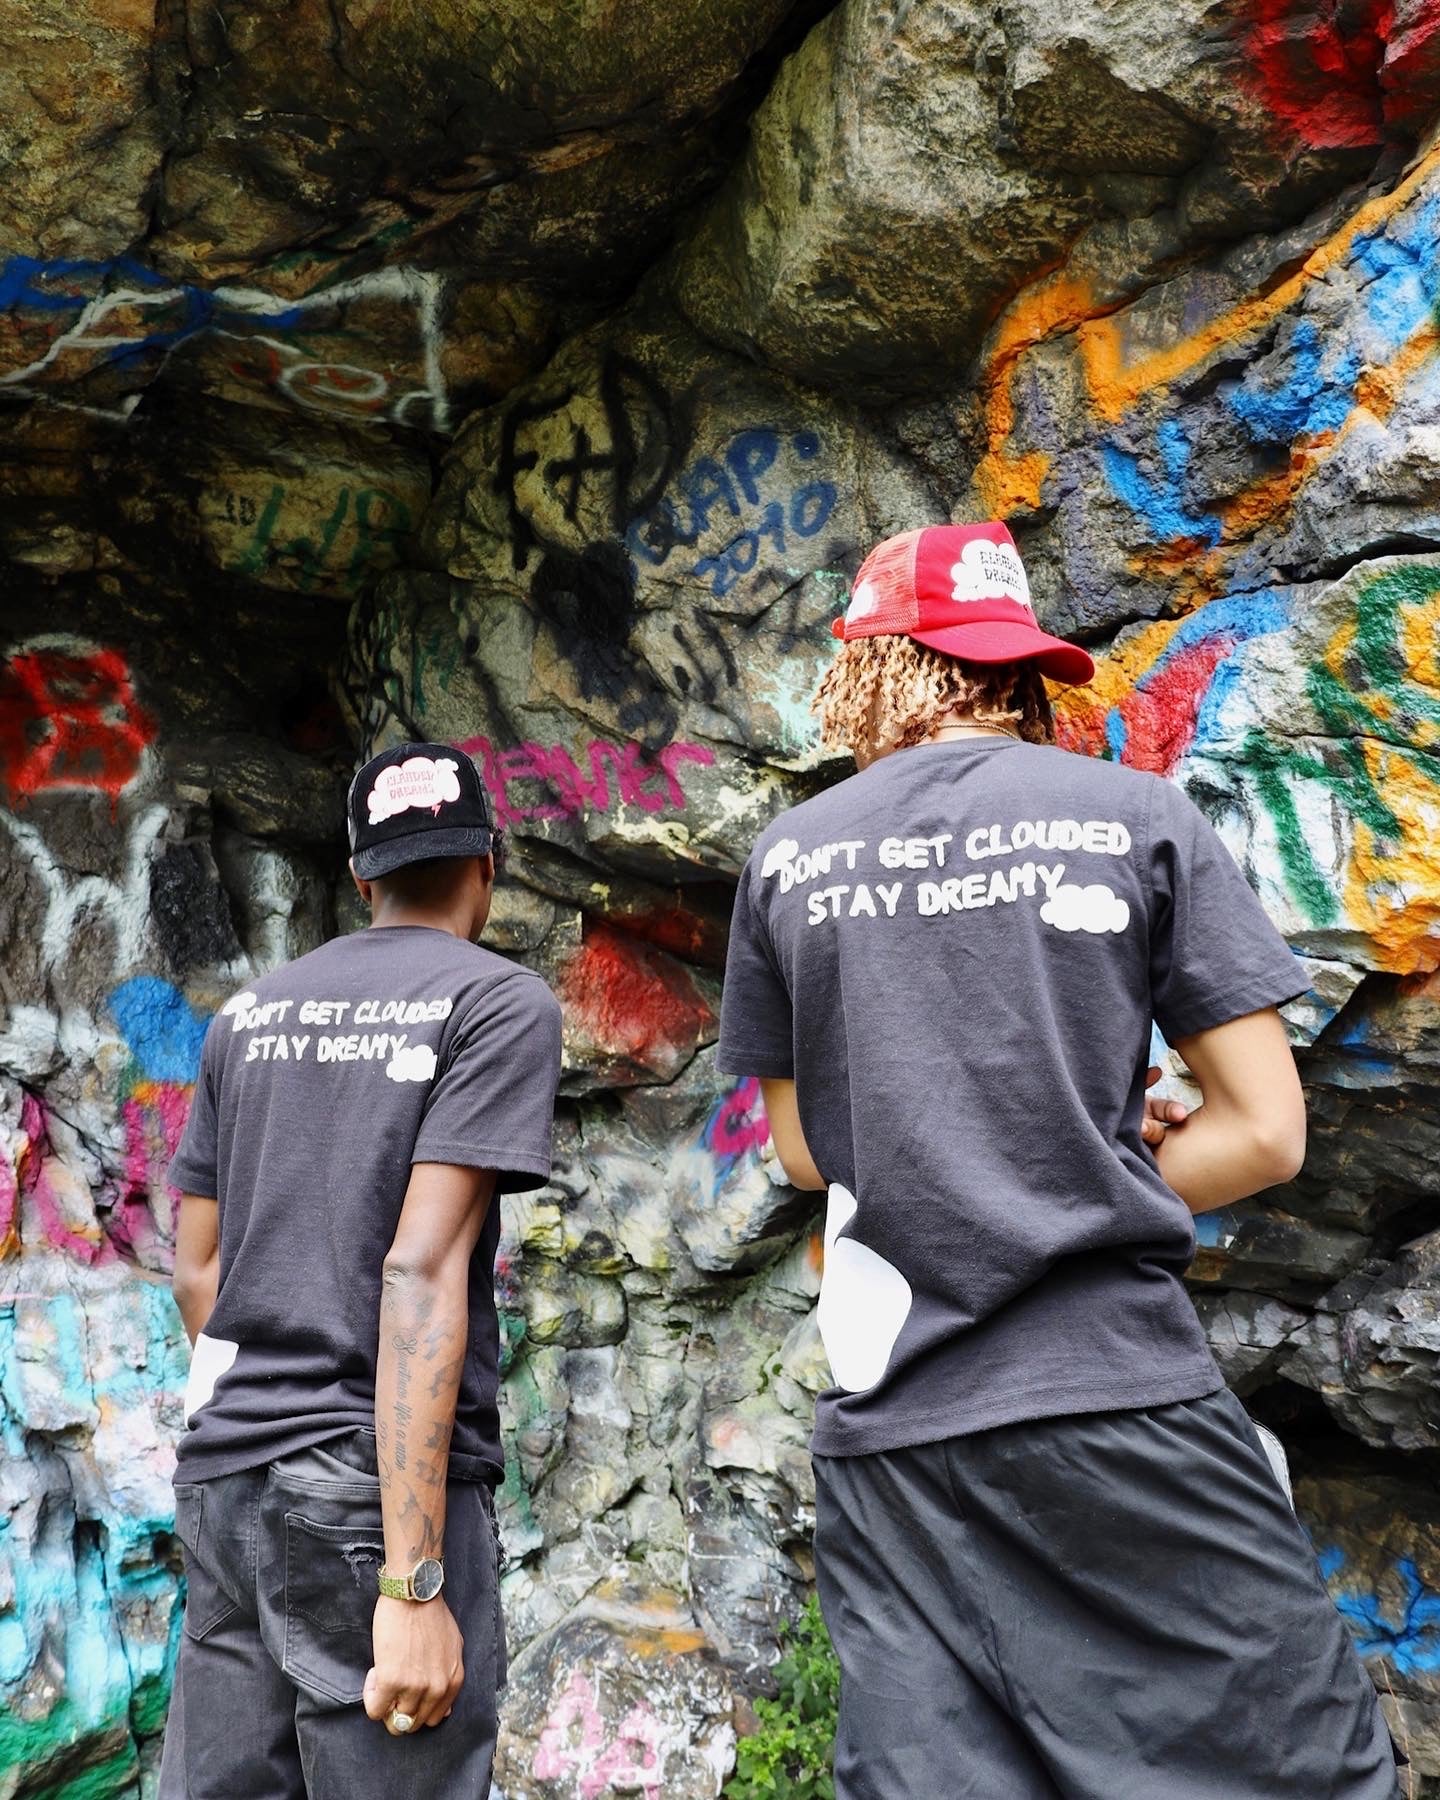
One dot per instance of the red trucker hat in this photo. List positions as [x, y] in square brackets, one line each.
[961, 589]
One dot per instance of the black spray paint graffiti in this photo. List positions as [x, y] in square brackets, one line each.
[649, 434]
[745, 505]
[588, 600]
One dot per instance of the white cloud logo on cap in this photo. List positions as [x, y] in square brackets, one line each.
[423, 782]
[415, 1062]
[864, 600]
[1095, 908]
[989, 571]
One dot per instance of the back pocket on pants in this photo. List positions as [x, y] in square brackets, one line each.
[330, 1594]
[206, 1602]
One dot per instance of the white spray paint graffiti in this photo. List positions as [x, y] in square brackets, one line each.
[224, 311]
[124, 904]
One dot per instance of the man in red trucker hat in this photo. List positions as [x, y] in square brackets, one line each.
[1053, 1552]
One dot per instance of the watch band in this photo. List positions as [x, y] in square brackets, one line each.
[408, 1587]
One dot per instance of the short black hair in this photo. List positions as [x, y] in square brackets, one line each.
[422, 883]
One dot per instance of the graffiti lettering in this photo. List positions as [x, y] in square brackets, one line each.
[1164, 699]
[69, 718]
[1387, 244]
[377, 521]
[734, 484]
[652, 785]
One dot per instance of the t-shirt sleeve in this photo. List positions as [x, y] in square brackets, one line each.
[757, 1022]
[194, 1169]
[493, 1104]
[1214, 954]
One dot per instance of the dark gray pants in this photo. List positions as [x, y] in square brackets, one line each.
[1106, 1606]
[280, 1563]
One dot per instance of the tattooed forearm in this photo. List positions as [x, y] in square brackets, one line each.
[446, 1377]
[424, 1321]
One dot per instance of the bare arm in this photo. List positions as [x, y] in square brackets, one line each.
[1250, 1133]
[789, 1138]
[197, 1262]
[424, 1328]
[799, 1166]
[424, 1325]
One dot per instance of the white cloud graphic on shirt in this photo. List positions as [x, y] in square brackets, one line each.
[986, 571]
[864, 1301]
[1095, 908]
[417, 1062]
[239, 1003]
[778, 855]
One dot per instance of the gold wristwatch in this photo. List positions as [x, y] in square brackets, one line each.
[423, 1582]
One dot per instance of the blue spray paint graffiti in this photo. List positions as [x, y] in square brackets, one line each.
[118, 314]
[97, 1591]
[1411, 1642]
[1162, 504]
[732, 489]
[162, 1029]
[1398, 281]
[1311, 399]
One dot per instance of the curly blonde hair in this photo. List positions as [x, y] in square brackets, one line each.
[889, 690]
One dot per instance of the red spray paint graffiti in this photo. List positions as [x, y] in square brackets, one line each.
[632, 1000]
[571, 792]
[1338, 73]
[69, 719]
[1158, 716]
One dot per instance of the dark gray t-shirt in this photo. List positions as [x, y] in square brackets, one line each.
[319, 1086]
[957, 955]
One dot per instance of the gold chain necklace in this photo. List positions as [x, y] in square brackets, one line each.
[978, 725]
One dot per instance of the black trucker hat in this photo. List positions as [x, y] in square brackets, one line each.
[414, 802]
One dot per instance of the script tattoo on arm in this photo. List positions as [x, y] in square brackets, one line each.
[420, 1318]
[423, 1339]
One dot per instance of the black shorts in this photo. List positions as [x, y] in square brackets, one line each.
[1106, 1606]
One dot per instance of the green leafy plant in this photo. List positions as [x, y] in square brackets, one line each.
[792, 1755]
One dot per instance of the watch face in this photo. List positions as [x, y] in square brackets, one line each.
[428, 1579]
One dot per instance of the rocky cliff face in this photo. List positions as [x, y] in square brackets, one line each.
[535, 379]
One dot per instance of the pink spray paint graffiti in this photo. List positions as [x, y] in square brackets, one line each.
[44, 1199]
[570, 792]
[737, 1126]
[33, 1189]
[575, 1742]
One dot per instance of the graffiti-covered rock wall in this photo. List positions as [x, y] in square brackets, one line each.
[536, 382]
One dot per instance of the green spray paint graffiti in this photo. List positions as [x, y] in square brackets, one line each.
[378, 522]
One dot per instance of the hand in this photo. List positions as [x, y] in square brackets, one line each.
[419, 1662]
[1160, 1115]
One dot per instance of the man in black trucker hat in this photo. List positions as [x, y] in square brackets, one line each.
[356, 1114]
